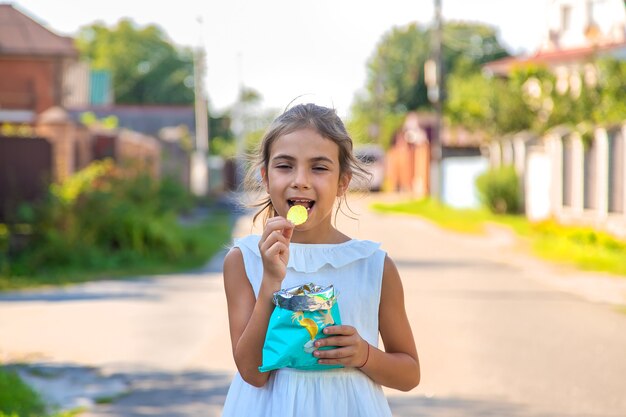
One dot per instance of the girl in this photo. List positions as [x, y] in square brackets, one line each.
[306, 159]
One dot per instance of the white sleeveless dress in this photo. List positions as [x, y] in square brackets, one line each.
[355, 268]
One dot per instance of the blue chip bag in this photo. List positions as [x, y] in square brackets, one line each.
[298, 320]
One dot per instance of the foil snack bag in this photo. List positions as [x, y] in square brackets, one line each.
[298, 320]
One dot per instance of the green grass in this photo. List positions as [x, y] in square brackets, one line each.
[465, 221]
[207, 237]
[582, 247]
[17, 399]
[108, 399]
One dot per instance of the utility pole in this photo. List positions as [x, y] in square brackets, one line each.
[199, 171]
[239, 127]
[436, 96]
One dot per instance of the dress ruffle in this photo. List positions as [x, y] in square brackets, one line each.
[342, 392]
[309, 258]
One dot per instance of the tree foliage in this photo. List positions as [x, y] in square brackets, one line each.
[535, 98]
[146, 67]
[395, 73]
[612, 80]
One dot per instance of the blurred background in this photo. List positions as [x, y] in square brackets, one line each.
[124, 126]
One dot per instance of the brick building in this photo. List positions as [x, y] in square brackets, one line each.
[40, 78]
[33, 64]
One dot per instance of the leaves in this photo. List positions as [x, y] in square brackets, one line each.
[395, 81]
[147, 68]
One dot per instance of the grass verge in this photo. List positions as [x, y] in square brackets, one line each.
[582, 247]
[204, 239]
[17, 399]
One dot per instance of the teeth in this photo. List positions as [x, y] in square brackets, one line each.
[302, 202]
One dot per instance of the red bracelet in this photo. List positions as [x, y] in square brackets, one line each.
[367, 358]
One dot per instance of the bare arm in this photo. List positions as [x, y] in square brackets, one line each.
[396, 367]
[249, 316]
[248, 319]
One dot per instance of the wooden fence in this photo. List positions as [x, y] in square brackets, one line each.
[26, 168]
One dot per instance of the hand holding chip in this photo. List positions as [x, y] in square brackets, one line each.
[274, 243]
[274, 247]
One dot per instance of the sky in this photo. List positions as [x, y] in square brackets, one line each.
[284, 49]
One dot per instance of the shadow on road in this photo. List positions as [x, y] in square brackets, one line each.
[451, 264]
[202, 394]
[120, 289]
[132, 288]
[162, 394]
[497, 295]
[457, 407]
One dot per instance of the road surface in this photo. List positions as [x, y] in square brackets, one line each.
[498, 333]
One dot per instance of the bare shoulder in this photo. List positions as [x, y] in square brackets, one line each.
[390, 270]
[233, 258]
[234, 269]
[391, 287]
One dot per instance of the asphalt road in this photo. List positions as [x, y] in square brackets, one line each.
[496, 332]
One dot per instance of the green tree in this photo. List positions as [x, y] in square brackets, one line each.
[395, 77]
[523, 101]
[595, 94]
[611, 108]
[146, 67]
[395, 73]
[221, 137]
[509, 112]
[469, 101]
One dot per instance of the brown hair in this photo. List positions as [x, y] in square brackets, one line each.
[302, 116]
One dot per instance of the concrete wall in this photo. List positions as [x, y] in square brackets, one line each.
[459, 180]
[574, 181]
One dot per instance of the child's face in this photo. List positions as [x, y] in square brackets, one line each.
[304, 169]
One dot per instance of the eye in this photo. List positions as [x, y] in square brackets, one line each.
[320, 168]
[282, 166]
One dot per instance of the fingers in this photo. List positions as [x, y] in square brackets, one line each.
[338, 336]
[349, 347]
[274, 248]
[340, 329]
[288, 231]
[277, 230]
[338, 353]
[275, 227]
[347, 356]
[338, 341]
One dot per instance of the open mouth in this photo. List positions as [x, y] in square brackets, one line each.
[308, 204]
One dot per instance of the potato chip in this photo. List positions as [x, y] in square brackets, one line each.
[297, 215]
[310, 326]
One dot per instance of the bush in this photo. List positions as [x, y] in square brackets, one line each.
[105, 209]
[103, 218]
[499, 190]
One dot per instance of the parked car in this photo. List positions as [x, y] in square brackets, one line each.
[373, 159]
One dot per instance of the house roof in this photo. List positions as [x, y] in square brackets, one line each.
[21, 35]
[555, 57]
